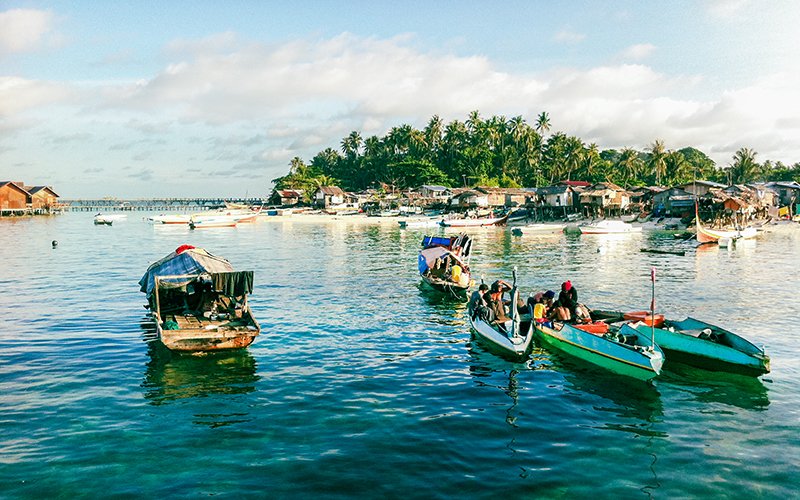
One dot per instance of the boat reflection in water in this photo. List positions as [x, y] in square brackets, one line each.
[741, 391]
[211, 378]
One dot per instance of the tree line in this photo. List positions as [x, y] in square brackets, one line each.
[502, 152]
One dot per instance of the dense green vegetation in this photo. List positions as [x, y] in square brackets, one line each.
[510, 153]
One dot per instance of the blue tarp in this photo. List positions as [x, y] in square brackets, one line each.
[192, 262]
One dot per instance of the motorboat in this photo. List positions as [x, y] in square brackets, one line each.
[608, 227]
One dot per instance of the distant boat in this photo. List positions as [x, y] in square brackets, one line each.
[626, 352]
[517, 338]
[108, 219]
[710, 347]
[443, 263]
[485, 221]
[212, 221]
[198, 302]
[706, 235]
[608, 227]
[170, 219]
[538, 229]
[416, 223]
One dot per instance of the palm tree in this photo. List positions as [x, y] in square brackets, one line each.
[573, 155]
[656, 159]
[744, 167]
[629, 164]
[543, 123]
[351, 144]
[675, 167]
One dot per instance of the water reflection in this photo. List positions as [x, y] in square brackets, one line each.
[170, 377]
[747, 393]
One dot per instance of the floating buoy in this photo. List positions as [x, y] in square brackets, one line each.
[55, 243]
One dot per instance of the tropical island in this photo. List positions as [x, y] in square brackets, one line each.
[510, 153]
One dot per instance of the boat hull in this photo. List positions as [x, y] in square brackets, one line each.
[599, 351]
[446, 287]
[189, 340]
[709, 355]
[515, 346]
[498, 221]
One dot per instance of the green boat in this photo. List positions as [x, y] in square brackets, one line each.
[626, 352]
[707, 346]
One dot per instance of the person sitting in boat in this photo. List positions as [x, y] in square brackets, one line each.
[476, 299]
[568, 297]
[541, 308]
[494, 300]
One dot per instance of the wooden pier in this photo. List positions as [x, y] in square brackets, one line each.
[157, 204]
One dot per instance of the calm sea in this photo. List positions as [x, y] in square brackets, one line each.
[365, 384]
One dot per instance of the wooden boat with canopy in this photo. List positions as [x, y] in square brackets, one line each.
[198, 302]
[444, 263]
[479, 222]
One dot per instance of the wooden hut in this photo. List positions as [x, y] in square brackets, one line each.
[14, 198]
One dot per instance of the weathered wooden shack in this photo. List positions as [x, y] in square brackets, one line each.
[42, 197]
[14, 198]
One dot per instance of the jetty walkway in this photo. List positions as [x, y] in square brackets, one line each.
[155, 204]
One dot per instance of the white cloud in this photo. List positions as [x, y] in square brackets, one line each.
[639, 51]
[219, 106]
[726, 9]
[23, 30]
[568, 37]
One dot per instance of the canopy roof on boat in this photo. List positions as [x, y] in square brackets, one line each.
[427, 258]
[184, 261]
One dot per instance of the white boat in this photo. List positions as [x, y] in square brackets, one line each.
[516, 340]
[608, 227]
[209, 221]
[538, 229]
[108, 219]
[485, 221]
[414, 223]
[170, 219]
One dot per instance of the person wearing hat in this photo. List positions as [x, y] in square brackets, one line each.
[568, 297]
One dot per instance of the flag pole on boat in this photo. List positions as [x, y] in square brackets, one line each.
[653, 309]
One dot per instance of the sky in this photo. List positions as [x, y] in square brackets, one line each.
[141, 99]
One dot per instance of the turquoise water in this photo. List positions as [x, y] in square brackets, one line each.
[365, 384]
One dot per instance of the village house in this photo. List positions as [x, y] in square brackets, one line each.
[289, 197]
[674, 202]
[327, 196]
[435, 192]
[42, 197]
[469, 199]
[13, 197]
[700, 188]
[604, 198]
[788, 192]
[560, 195]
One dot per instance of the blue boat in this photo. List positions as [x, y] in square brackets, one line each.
[626, 352]
[710, 347]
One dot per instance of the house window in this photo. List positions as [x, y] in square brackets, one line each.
[558, 200]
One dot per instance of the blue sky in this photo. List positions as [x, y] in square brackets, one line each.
[139, 99]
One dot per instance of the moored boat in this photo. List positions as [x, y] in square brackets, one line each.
[608, 227]
[198, 302]
[538, 229]
[626, 352]
[170, 219]
[443, 263]
[707, 235]
[515, 337]
[108, 219]
[209, 221]
[479, 222]
[697, 343]
[416, 223]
